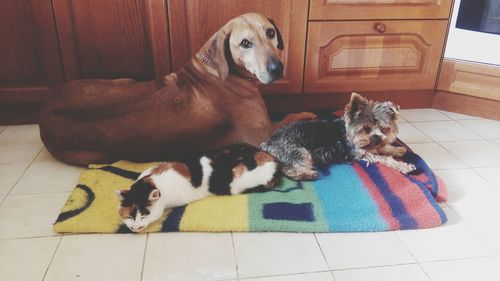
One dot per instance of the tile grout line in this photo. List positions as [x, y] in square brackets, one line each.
[144, 257]
[52, 258]
[21, 176]
[285, 274]
[324, 256]
[235, 258]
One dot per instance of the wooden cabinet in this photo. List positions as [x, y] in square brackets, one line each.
[373, 55]
[379, 9]
[113, 38]
[29, 54]
[193, 22]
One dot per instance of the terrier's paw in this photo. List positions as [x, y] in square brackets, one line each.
[406, 168]
[305, 176]
[399, 151]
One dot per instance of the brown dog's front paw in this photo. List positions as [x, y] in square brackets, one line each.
[399, 151]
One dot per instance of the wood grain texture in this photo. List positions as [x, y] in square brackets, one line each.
[468, 78]
[379, 9]
[373, 55]
[193, 22]
[465, 104]
[29, 53]
[113, 38]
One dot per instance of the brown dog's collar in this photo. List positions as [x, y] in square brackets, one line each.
[207, 61]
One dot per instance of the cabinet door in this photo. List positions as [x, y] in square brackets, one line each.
[29, 55]
[379, 9]
[373, 56]
[193, 22]
[113, 38]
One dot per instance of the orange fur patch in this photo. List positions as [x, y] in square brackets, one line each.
[182, 169]
[261, 158]
[124, 212]
[239, 170]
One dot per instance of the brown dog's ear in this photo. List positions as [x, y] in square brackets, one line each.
[278, 34]
[216, 53]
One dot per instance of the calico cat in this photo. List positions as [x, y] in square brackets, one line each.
[230, 170]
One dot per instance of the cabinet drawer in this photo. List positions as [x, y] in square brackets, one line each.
[373, 55]
[379, 9]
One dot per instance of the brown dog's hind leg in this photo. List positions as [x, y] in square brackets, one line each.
[84, 157]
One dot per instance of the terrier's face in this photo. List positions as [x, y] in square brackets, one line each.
[370, 125]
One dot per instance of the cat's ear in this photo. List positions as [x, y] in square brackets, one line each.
[120, 194]
[154, 195]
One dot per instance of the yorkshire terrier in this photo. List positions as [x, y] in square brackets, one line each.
[366, 132]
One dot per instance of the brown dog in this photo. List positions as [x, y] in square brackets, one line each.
[211, 102]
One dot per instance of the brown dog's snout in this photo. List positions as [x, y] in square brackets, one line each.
[275, 67]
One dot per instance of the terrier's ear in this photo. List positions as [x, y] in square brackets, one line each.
[217, 52]
[278, 34]
[393, 107]
[356, 104]
[154, 195]
[120, 194]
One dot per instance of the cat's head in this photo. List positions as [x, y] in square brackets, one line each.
[139, 206]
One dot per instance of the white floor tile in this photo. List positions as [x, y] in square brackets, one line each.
[264, 254]
[9, 174]
[30, 215]
[441, 131]
[481, 218]
[465, 184]
[48, 177]
[2, 128]
[495, 142]
[21, 133]
[189, 256]
[484, 269]
[458, 116]
[45, 156]
[26, 259]
[490, 174]
[436, 156]
[319, 276]
[452, 241]
[475, 153]
[357, 250]
[424, 114]
[99, 257]
[409, 134]
[410, 272]
[489, 129]
[14, 152]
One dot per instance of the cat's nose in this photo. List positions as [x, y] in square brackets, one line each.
[137, 228]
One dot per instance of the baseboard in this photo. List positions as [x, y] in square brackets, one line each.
[19, 113]
[468, 78]
[466, 104]
[313, 102]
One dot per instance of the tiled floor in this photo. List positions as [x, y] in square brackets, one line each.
[463, 150]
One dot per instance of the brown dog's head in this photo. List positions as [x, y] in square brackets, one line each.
[247, 44]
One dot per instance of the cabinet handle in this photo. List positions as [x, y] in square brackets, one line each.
[380, 27]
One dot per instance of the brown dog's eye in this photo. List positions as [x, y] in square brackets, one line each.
[270, 33]
[246, 44]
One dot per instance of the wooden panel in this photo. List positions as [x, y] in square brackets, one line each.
[379, 9]
[473, 79]
[29, 54]
[113, 38]
[299, 103]
[373, 56]
[469, 105]
[193, 22]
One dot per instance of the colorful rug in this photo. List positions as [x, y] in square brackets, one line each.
[347, 198]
